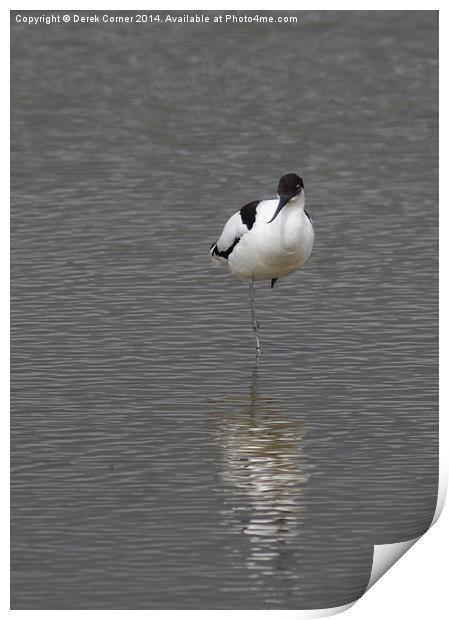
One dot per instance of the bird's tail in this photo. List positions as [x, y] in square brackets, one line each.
[216, 258]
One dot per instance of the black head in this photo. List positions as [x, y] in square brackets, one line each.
[290, 185]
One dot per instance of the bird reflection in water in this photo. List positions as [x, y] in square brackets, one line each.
[263, 470]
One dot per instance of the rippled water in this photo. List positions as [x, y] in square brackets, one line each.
[153, 464]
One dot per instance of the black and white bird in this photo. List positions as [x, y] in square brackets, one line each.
[267, 239]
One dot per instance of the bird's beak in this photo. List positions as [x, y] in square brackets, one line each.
[282, 203]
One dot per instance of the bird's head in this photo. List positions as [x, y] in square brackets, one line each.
[290, 186]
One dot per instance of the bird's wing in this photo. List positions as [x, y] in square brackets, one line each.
[238, 225]
[308, 215]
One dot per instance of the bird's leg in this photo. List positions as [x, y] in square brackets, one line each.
[254, 319]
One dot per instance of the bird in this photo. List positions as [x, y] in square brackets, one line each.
[267, 239]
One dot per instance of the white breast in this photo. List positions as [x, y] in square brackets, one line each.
[272, 250]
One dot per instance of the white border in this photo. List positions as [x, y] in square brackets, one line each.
[252, 5]
[414, 587]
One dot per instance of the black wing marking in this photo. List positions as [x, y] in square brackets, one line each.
[273, 282]
[248, 214]
[311, 221]
[225, 253]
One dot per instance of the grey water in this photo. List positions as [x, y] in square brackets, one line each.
[153, 464]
